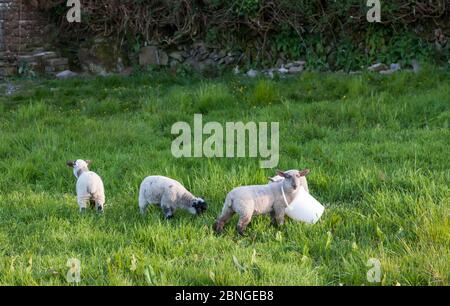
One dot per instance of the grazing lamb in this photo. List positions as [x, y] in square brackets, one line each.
[89, 185]
[247, 201]
[169, 195]
[303, 181]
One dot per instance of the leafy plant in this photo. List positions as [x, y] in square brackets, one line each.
[25, 70]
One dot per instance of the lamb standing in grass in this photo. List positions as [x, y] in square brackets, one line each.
[247, 201]
[89, 185]
[170, 195]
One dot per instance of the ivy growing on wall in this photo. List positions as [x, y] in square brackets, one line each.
[329, 34]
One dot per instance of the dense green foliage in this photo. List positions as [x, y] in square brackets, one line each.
[328, 34]
[377, 147]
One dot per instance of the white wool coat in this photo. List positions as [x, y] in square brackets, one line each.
[89, 185]
[90, 188]
[166, 192]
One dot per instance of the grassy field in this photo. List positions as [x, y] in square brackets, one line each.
[377, 146]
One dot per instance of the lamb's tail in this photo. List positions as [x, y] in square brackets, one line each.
[227, 206]
[142, 198]
[228, 203]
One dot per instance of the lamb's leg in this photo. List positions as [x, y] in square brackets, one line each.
[166, 205]
[99, 202]
[82, 202]
[99, 207]
[226, 215]
[272, 218]
[168, 212]
[244, 220]
[278, 216]
[280, 219]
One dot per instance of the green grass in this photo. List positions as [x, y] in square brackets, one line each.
[378, 148]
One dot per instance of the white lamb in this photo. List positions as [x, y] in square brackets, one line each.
[272, 198]
[89, 186]
[170, 195]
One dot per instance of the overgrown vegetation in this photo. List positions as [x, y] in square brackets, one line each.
[377, 146]
[328, 34]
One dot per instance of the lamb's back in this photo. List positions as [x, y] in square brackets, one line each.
[90, 179]
[156, 186]
[259, 198]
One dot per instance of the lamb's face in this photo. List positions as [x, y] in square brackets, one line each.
[200, 206]
[292, 179]
[79, 166]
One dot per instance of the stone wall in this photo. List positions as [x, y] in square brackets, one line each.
[23, 28]
[2, 44]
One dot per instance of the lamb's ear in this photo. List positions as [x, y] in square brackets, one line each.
[304, 172]
[70, 163]
[271, 179]
[281, 173]
[88, 162]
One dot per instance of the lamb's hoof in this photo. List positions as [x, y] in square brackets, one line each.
[83, 210]
[241, 233]
[217, 229]
[100, 210]
[168, 217]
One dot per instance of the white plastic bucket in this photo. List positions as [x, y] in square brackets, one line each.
[304, 208]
